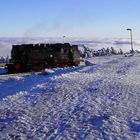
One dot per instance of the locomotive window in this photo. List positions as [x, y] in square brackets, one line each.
[62, 50]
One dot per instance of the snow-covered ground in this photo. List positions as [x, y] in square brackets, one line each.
[100, 101]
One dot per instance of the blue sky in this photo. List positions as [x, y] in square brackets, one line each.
[72, 18]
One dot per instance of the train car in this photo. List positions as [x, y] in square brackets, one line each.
[37, 57]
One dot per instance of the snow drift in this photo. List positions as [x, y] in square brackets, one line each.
[94, 102]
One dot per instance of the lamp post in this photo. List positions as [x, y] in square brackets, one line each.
[132, 50]
[64, 39]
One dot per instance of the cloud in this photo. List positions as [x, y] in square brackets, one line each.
[119, 42]
[122, 43]
[6, 43]
[126, 42]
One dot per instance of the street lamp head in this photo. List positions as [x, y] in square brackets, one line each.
[129, 29]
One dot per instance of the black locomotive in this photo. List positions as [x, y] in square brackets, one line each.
[37, 57]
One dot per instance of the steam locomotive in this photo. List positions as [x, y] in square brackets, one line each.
[37, 57]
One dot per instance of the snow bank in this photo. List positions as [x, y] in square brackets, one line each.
[3, 70]
[88, 63]
[48, 71]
